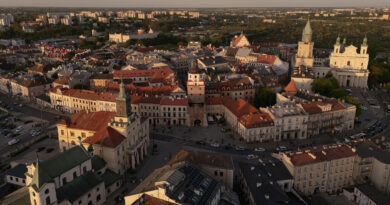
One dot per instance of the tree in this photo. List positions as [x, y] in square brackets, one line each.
[353, 101]
[265, 97]
[325, 86]
[79, 86]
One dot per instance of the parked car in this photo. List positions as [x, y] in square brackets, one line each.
[13, 141]
[259, 149]
[228, 147]
[240, 148]
[281, 148]
[200, 142]
[214, 144]
[252, 156]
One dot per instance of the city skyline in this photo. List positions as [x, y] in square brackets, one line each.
[192, 4]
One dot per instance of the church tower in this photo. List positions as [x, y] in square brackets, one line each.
[364, 46]
[195, 84]
[337, 46]
[305, 48]
[123, 102]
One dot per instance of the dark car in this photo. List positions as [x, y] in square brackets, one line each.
[40, 149]
[228, 147]
[49, 150]
[200, 142]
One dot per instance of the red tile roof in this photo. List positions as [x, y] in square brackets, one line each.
[266, 59]
[107, 137]
[238, 107]
[151, 73]
[291, 88]
[256, 120]
[314, 107]
[237, 40]
[321, 154]
[92, 121]
[145, 91]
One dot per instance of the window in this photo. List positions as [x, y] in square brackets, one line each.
[221, 174]
[62, 132]
[89, 195]
[74, 175]
[215, 173]
[98, 198]
[72, 134]
[84, 169]
[48, 200]
[64, 180]
[348, 63]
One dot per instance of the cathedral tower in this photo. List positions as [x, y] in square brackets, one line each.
[305, 48]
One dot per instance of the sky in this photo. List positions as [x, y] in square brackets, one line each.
[195, 3]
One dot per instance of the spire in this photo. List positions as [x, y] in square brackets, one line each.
[345, 41]
[122, 90]
[307, 32]
[365, 40]
[338, 40]
[123, 102]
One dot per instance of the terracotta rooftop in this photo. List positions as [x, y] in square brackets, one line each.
[316, 107]
[202, 158]
[151, 73]
[322, 154]
[107, 137]
[266, 59]
[291, 88]
[239, 107]
[92, 121]
[256, 120]
[237, 40]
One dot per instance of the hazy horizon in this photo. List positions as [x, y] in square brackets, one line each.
[194, 4]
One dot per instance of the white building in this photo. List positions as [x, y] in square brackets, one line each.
[290, 119]
[119, 38]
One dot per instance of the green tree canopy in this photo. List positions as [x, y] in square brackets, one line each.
[265, 97]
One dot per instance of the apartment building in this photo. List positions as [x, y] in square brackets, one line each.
[327, 168]
[290, 119]
[372, 165]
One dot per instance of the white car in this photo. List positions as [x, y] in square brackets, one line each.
[214, 145]
[259, 149]
[281, 148]
[19, 128]
[239, 148]
[364, 108]
[13, 141]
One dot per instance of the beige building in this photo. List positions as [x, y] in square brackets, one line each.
[121, 138]
[372, 165]
[327, 168]
[118, 37]
[290, 119]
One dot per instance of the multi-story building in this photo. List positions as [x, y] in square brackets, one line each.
[268, 182]
[118, 37]
[155, 76]
[289, 118]
[29, 86]
[217, 166]
[327, 168]
[72, 177]
[372, 165]
[240, 41]
[121, 138]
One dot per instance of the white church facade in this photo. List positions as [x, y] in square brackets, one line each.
[348, 65]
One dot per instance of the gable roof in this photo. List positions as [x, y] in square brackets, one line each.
[291, 87]
[46, 171]
[107, 137]
[92, 121]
